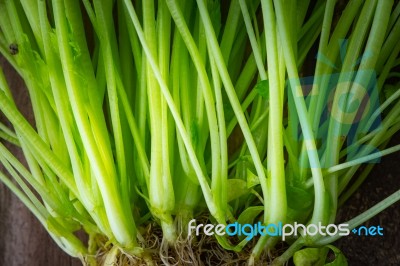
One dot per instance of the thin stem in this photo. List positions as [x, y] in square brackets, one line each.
[363, 217]
[174, 111]
[230, 91]
[320, 203]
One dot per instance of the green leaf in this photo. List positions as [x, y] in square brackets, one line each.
[297, 198]
[310, 257]
[318, 256]
[236, 188]
[252, 179]
[389, 90]
[262, 87]
[340, 259]
[249, 214]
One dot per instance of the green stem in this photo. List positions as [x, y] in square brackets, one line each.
[277, 190]
[230, 91]
[94, 135]
[320, 203]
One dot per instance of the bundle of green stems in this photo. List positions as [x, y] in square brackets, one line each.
[155, 113]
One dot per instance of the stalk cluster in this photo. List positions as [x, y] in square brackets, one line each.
[242, 112]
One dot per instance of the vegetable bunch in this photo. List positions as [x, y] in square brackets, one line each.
[160, 112]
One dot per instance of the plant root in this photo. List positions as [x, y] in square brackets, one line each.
[187, 250]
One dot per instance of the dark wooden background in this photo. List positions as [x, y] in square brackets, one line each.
[23, 241]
